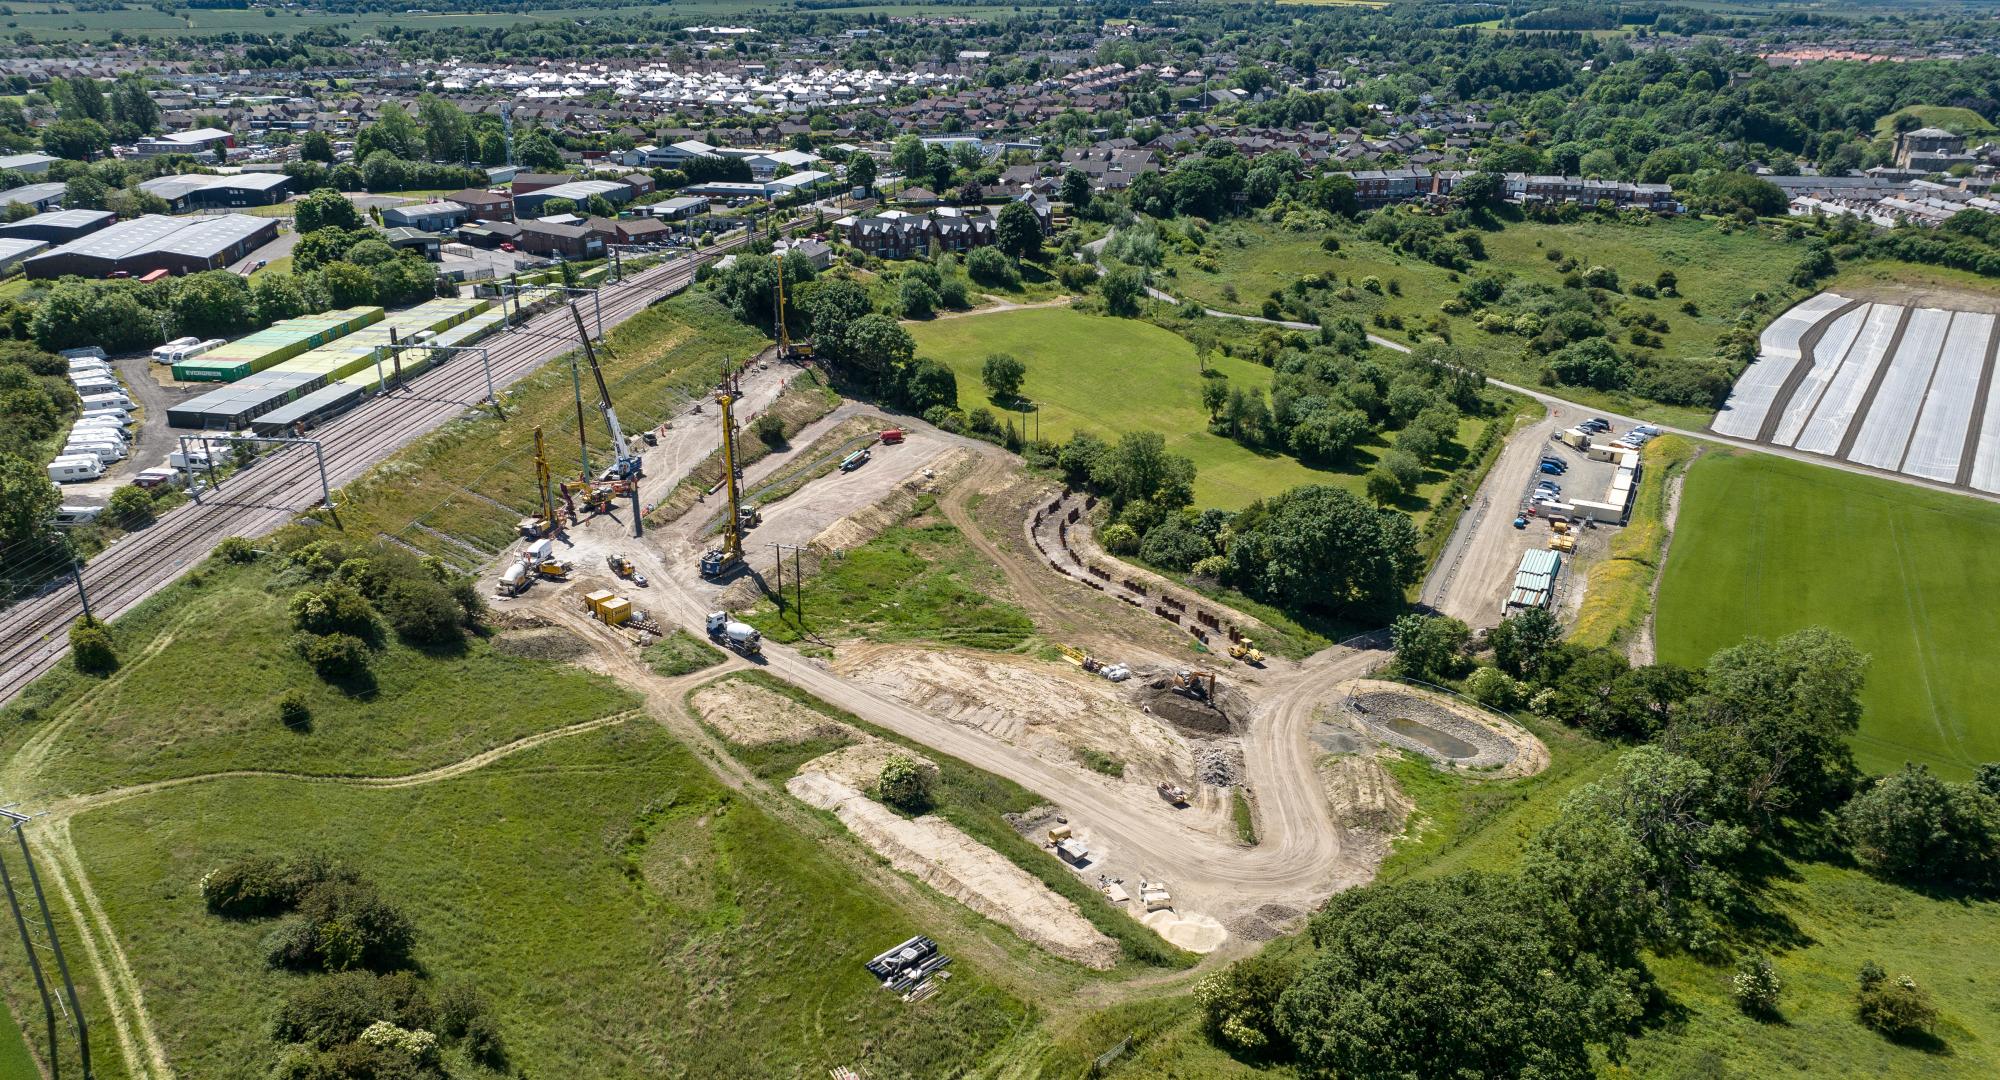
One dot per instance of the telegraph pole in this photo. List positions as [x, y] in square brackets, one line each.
[76, 571]
[55, 943]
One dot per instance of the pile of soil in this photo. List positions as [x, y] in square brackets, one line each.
[1265, 923]
[1191, 716]
[1218, 764]
[546, 643]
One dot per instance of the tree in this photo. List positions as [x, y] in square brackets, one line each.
[1322, 548]
[1773, 721]
[211, 303]
[445, 128]
[916, 299]
[1239, 1005]
[1002, 374]
[1915, 827]
[85, 192]
[28, 501]
[1139, 467]
[1396, 475]
[1430, 648]
[132, 109]
[1076, 190]
[1214, 391]
[1637, 857]
[1123, 287]
[78, 140]
[769, 429]
[82, 99]
[316, 146]
[1456, 976]
[324, 209]
[393, 131]
[1481, 190]
[905, 784]
[277, 296]
[90, 647]
[927, 384]
[861, 172]
[538, 151]
[990, 266]
[873, 343]
[1018, 231]
[1521, 644]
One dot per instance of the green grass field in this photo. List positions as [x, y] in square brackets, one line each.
[1949, 117]
[199, 694]
[1111, 376]
[1720, 271]
[625, 914]
[1766, 546]
[15, 1064]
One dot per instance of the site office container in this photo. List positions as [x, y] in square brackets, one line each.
[595, 601]
[615, 611]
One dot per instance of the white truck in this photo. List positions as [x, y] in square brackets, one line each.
[739, 636]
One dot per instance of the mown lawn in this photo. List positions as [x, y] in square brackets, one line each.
[1110, 376]
[200, 694]
[1766, 546]
[1720, 271]
[626, 916]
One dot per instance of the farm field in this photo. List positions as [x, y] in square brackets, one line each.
[1719, 271]
[1766, 546]
[1110, 376]
[673, 929]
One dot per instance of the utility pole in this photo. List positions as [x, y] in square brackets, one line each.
[76, 570]
[55, 943]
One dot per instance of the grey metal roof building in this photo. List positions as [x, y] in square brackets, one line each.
[145, 244]
[14, 249]
[39, 196]
[202, 191]
[58, 226]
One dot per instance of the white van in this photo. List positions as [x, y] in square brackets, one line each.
[180, 460]
[73, 467]
[77, 515]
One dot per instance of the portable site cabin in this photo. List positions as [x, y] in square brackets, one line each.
[615, 611]
[595, 601]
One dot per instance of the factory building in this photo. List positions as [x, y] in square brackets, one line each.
[144, 244]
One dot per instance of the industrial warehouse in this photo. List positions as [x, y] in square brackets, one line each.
[145, 244]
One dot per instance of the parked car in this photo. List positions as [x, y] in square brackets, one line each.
[1551, 469]
[1596, 423]
[1647, 430]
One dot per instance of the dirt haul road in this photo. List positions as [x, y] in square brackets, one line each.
[1300, 860]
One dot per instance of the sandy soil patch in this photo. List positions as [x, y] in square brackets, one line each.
[939, 855]
[1366, 801]
[867, 522]
[859, 764]
[1190, 930]
[1052, 709]
[753, 716]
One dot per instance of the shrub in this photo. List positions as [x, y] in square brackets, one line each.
[326, 1013]
[236, 549]
[905, 784]
[1239, 1004]
[1120, 539]
[1493, 687]
[293, 711]
[343, 925]
[463, 1015]
[1756, 986]
[991, 266]
[769, 429]
[1918, 828]
[335, 607]
[90, 647]
[1898, 1007]
[266, 885]
[132, 507]
[422, 610]
[333, 656]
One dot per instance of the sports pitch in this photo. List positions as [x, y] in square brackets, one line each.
[1765, 545]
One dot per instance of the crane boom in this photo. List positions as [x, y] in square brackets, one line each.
[719, 561]
[628, 464]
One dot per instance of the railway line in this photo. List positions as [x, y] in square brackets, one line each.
[260, 499]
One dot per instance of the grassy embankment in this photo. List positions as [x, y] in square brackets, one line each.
[1110, 376]
[1620, 590]
[1768, 545]
[459, 492]
[1949, 117]
[1720, 271]
[975, 801]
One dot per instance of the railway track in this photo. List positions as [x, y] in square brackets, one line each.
[260, 499]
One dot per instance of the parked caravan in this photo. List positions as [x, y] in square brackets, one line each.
[162, 354]
[71, 468]
[108, 400]
[77, 515]
[105, 452]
